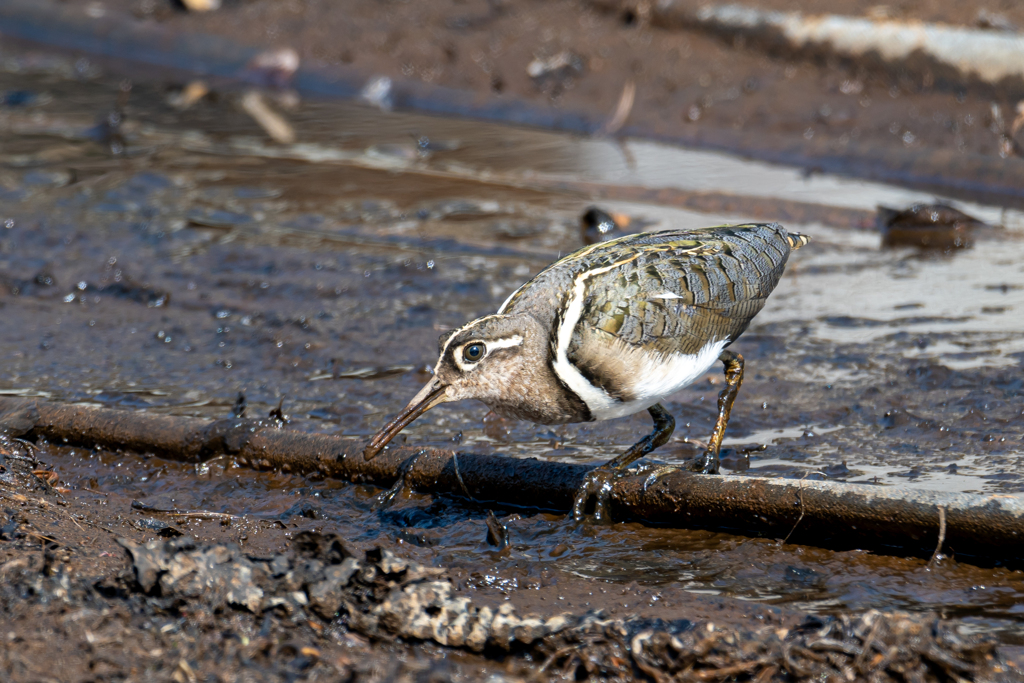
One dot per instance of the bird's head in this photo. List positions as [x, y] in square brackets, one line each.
[482, 360]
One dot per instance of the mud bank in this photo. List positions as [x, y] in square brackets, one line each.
[847, 116]
[322, 607]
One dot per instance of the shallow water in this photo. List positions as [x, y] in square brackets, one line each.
[208, 261]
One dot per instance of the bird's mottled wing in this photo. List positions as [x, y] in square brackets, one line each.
[675, 291]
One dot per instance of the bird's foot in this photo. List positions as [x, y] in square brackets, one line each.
[705, 463]
[598, 483]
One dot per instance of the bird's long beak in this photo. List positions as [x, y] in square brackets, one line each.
[428, 397]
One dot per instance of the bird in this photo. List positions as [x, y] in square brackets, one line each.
[611, 330]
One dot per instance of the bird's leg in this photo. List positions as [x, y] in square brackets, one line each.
[707, 462]
[664, 425]
[599, 480]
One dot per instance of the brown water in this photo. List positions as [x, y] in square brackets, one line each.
[208, 261]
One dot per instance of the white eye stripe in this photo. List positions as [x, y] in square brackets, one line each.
[490, 345]
[514, 340]
[456, 333]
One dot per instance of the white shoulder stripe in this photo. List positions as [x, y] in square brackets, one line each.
[597, 399]
[658, 375]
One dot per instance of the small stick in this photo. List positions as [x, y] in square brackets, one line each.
[942, 536]
[858, 663]
[458, 475]
[385, 499]
[497, 533]
[622, 110]
[726, 671]
[45, 538]
[799, 497]
[30, 447]
[203, 514]
[194, 514]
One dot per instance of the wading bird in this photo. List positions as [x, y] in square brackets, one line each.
[611, 330]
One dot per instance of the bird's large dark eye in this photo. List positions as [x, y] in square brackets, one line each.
[474, 352]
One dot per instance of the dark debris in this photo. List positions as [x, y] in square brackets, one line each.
[927, 226]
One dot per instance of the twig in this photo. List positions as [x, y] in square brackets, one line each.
[694, 442]
[800, 498]
[497, 533]
[15, 456]
[30, 447]
[858, 663]
[204, 514]
[45, 538]
[73, 520]
[99, 526]
[42, 476]
[553, 658]
[386, 498]
[458, 475]
[274, 124]
[942, 536]
[194, 514]
[96, 491]
[22, 498]
[622, 109]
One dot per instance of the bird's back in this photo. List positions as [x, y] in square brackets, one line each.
[718, 268]
[652, 303]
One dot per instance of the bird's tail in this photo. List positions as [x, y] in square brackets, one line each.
[796, 240]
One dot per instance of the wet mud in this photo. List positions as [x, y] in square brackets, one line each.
[171, 606]
[610, 68]
[201, 261]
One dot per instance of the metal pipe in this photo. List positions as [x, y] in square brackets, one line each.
[893, 520]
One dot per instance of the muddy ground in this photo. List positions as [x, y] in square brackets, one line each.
[201, 261]
[891, 122]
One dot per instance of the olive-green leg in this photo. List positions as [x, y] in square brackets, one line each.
[707, 462]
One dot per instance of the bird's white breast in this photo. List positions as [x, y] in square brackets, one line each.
[657, 377]
[656, 374]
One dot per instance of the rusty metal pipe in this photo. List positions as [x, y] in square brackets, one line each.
[892, 519]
